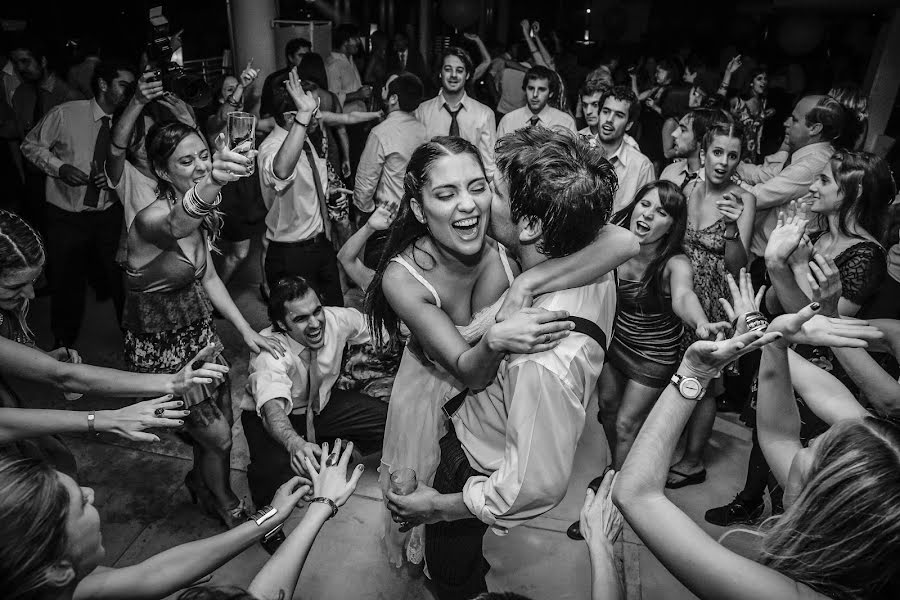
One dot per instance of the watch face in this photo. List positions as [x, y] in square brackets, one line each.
[690, 387]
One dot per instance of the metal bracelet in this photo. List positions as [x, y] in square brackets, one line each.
[329, 502]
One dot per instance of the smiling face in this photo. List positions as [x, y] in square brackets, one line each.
[722, 157]
[188, 164]
[304, 320]
[537, 94]
[455, 204]
[614, 120]
[453, 74]
[229, 84]
[760, 84]
[649, 220]
[590, 106]
[685, 142]
[85, 547]
[17, 287]
[27, 66]
[825, 193]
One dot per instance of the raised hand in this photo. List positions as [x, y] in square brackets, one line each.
[825, 284]
[306, 102]
[330, 481]
[809, 327]
[730, 207]
[227, 165]
[743, 300]
[529, 331]
[788, 233]
[178, 107]
[733, 65]
[148, 89]
[249, 74]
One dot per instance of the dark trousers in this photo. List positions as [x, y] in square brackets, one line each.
[453, 550]
[72, 240]
[314, 260]
[349, 415]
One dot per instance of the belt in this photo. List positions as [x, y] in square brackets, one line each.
[318, 239]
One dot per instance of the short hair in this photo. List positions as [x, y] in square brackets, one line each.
[591, 87]
[542, 72]
[701, 119]
[409, 91]
[287, 289]
[342, 33]
[294, 45]
[459, 53]
[555, 177]
[282, 101]
[829, 113]
[216, 593]
[31, 44]
[623, 94]
[108, 70]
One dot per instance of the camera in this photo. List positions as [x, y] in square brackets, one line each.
[190, 88]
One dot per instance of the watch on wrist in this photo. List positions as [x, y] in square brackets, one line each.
[690, 388]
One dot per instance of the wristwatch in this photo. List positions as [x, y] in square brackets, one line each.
[690, 388]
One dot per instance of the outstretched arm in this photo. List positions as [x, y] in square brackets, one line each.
[350, 254]
[351, 118]
[146, 92]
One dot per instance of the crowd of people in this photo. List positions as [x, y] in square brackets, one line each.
[519, 237]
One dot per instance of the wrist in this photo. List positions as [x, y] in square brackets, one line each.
[103, 420]
[702, 374]
[600, 547]
[318, 511]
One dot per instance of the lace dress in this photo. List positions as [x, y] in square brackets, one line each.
[415, 422]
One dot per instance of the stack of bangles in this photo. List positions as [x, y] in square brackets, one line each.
[756, 321]
[195, 206]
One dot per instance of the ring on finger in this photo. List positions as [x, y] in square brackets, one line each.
[159, 412]
[332, 460]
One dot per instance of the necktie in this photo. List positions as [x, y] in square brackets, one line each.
[534, 121]
[37, 112]
[320, 193]
[689, 177]
[101, 147]
[402, 60]
[312, 396]
[454, 125]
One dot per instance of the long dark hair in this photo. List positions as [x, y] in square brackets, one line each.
[868, 187]
[673, 202]
[406, 230]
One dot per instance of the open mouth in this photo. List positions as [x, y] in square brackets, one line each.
[467, 229]
[315, 337]
[641, 227]
[720, 172]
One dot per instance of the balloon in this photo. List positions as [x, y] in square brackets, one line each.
[460, 13]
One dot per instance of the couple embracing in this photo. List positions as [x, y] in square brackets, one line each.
[490, 397]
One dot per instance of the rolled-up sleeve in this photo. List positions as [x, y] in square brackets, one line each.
[792, 183]
[545, 421]
[267, 170]
[38, 144]
[269, 380]
[368, 173]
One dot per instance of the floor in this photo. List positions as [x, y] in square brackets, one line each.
[145, 508]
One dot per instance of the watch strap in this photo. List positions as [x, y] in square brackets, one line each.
[678, 379]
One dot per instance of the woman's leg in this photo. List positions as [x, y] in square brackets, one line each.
[699, 429]
[611, 386]
[637, 401]
[210, 426]
[233, 259]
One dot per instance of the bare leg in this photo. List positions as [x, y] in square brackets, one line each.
[611, 387]
[264, 286]
[637, 401]
[699, 430]
[233, 259]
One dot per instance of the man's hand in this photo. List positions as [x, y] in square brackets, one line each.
[306, 102]
[73, 175]
[299, 450]
[733, 65]
[98, 177]
[417, 508]
[148, 89]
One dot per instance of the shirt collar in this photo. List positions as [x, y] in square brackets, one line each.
[824, 147]
[462, 100]
[621, 153]
[96, 111]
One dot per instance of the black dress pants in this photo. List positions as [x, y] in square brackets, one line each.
[349, 415]
[314, 260]
[73, 239]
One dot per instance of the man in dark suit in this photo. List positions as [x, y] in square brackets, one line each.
[404, 57]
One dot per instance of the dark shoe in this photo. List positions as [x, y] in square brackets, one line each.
[574, 530]
[737, 512]
[687, 479]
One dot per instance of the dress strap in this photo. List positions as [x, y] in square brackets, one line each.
[504, 258]
[402, 261]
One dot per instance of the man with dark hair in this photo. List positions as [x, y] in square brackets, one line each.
[508, 459]
[540, 85]
[382, 166]
[618, 110]
[406, 57]
[293, 53]
[590, 95]
[453, 112]
[290, 404]
[688, 137]
[83, 216]
[343, 76]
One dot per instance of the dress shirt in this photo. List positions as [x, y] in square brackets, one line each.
[633, 170]
[512, 96]
[66, 136]
[287, 378]
[343, 78]
[11, 81]
[382, 166]
[293, 204]
[476, 124]
[549, 117]
[678, 170]
[52, 92]
[523, 430]
[135, 190]
[775, 185]
[626, 138]
[401, 59]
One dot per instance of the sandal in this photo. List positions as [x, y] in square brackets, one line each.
[686, 479]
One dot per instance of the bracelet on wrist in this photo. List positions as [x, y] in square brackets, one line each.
[299, 122]
[115, 145]
[756, 321]
[91, 417]
[731, 238]
[195, 206]
[329, 502]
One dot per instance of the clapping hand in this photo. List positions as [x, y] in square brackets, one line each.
[743, 300]
[801, 256]
[825, 284]
[788, 233]
[809, 327]
[730, 207]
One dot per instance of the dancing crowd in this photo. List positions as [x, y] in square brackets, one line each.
[514, 237]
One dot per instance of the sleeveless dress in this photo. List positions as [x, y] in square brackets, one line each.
[647, 333]
[706, 250]
[415, 422]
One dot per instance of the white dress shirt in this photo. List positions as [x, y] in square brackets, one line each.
[476, 124]
[293, 203]
[66, 136]
[775, 185]
[382, 165]
[523, 431]
[343, 78]
[633, 169]
[678, 170]
[286, 379]
[549, 117]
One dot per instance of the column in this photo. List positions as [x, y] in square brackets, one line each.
[253, 34]
[882, 82]
[425, 29]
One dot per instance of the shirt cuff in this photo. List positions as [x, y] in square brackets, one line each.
[473, 496]
[54, 163]
[366, 205]
[282, 396]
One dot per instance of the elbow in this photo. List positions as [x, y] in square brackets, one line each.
[64, 377]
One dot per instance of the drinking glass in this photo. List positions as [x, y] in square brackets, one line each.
[241, 136]
[403, 481]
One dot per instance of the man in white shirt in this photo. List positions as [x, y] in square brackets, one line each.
[591, 94]
[294, 181]
[688, 138]
[83, 216]
[453, 112]
[618, 109]
[290, 405]
[507, 459]
[343, 76]
[540, 85]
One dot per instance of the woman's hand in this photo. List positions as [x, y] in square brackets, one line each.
[601, 521]
[710, 331]
[788, 233]
[518, 296]
[800, 257]
[227, 165]
[743, 300]
[345, 169]
[148, 89]
[306, 102]
[130, 422]
[257, 343]
[248, 75]
[198, 372]
[331, 480]
[288, 495]
[733, 65]
[381, 218]
[809, 327]
[529, 331]
[64, 354]
[824, 279]
[526, 26]
[730, 207]
[707, 359]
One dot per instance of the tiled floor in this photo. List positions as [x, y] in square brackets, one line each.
[145, 508]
